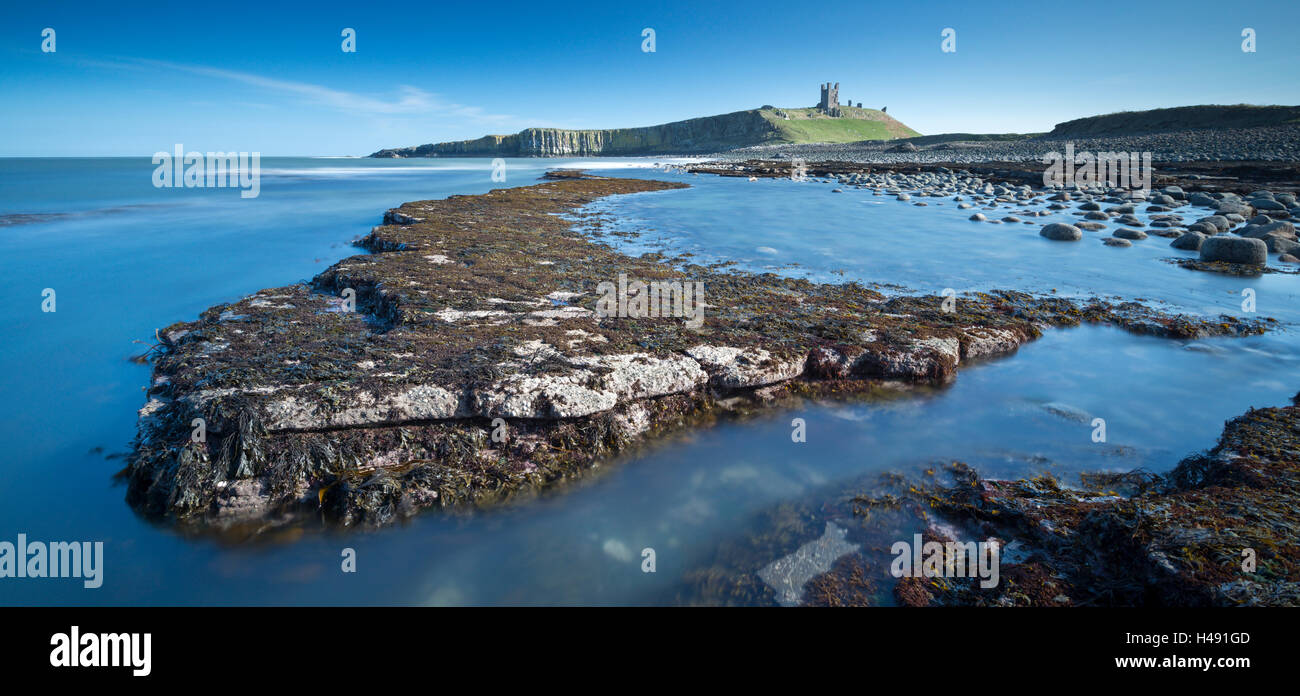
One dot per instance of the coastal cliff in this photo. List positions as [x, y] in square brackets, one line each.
[692, 136]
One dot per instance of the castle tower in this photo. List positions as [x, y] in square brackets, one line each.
[830, 99]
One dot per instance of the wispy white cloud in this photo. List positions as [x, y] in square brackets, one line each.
[408, 100]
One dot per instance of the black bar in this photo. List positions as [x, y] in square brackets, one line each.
[968, 645]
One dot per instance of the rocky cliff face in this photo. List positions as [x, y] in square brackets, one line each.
[696, 135]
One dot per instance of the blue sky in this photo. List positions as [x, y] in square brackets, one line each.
[133, 78]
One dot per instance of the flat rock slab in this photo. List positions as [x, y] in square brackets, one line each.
[470, 355]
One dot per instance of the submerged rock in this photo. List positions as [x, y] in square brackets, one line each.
[1067, 411]
[787, 576]
[1134, 539]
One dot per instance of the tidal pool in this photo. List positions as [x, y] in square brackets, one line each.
[126, 259]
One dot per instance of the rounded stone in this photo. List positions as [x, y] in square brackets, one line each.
[1061, 232]
[1191, 241]
[1232, 249]
[1281, 245]
[1281, 228]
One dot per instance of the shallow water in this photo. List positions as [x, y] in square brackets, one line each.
[135, 258]
[805, 229]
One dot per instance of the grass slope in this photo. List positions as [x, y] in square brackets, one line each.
[763, 126]
[855, 125]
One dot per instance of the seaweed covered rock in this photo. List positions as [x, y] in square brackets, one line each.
[1221, 529]
[472, 354]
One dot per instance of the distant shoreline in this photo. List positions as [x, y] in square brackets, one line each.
[1206, 132]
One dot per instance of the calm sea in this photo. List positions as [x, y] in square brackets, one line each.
[125, 258]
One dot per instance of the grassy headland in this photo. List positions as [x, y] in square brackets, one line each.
[763, 126]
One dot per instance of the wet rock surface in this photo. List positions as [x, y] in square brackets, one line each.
[1220, 529]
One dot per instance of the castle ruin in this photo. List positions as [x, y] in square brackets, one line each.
[830, 101]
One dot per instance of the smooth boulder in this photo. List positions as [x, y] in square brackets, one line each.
[1061, 232]
[1233, 206]
[1191, 241]
[1280, 245]
[1231, 249]
[1281, 228]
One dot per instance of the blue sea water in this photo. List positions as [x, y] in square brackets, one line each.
[125, 258]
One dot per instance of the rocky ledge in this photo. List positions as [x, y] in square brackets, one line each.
[1221, 529]
[462, 360]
